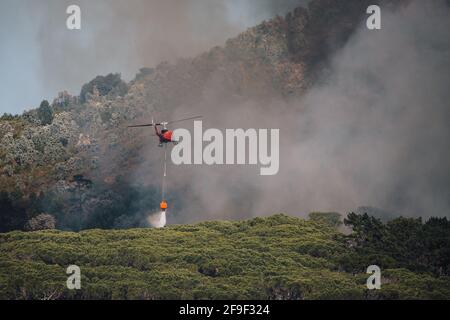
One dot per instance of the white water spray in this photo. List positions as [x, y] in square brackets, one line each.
[157, 219]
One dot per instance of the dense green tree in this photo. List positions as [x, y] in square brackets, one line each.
[366, 229]
[45, 113]
[436, 238]
[8, 116]
[81, 186]
[261, 258]
[12, 212]
[400, 243]
[333, 219]
[109, 84]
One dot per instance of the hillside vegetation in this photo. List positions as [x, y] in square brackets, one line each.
[278, 257]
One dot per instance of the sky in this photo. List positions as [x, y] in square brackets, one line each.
[41, 57]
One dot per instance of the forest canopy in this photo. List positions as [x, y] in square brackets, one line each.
[277, 257]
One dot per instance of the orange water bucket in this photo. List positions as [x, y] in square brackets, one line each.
[163, 205]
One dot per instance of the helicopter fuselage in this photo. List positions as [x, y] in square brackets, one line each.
[165, 136]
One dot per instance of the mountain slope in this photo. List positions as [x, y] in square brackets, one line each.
[42, 150]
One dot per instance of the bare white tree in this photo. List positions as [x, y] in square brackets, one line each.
[43, 221]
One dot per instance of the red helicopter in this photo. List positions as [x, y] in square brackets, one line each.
[165, 135]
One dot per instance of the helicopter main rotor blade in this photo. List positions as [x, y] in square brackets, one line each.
[163, 123]
[191, 118]
[142, 125]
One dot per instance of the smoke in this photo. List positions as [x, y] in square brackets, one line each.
[115, 36]
[378, 130]
[373, 131]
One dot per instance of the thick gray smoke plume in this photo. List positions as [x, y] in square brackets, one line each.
[373, 132]
[42, 57]
[376, 132]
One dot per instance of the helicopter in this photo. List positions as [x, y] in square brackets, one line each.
[165, 135]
